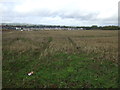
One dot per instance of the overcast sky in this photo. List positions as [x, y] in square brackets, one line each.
[60, 12]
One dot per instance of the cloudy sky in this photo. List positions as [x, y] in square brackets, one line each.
[60, 12]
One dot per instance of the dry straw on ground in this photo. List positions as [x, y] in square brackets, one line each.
[104, 43]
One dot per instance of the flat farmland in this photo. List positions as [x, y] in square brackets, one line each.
[60, 59]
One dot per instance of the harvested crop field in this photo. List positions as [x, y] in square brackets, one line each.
[60, 59]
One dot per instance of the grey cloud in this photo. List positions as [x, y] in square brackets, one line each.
[79, 16]
[61, 14]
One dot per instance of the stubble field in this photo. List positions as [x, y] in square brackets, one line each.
[60, 59]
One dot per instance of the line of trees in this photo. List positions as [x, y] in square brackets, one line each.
[94, 27]
[106, 27]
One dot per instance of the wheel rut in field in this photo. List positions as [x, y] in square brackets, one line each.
[46, 44]
[45, 48]
[76, 48]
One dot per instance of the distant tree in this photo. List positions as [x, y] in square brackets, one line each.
[94, 27]
[111, 28]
